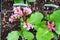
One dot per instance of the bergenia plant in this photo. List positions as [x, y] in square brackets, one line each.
[43, 27]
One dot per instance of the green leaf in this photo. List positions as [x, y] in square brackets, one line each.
[20, 33]
[44, 34]
[35, 18]
[57, 28]
[42, 25]
[18, 1]
[55, 16]
[36, 27]
[28, 35]
[47, 17]
[22, 28]
[51, 0]
[31, 0]
[14, 35]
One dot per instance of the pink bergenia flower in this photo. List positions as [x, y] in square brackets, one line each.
[12, 17]
[16, 16]
[51, 26]
[27, 11]
[18, 11]
[16, 8]
[28, 26]
[11, 20]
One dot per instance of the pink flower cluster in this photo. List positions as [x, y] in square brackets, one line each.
[19, 13]
[51, 26]
[27, 11]
[17, 10]
[13, 17]
[28, 26]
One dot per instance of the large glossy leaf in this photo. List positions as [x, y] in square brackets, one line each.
[44, 34]
[42, 25]
[31, 0]
[35, 18]
[14, 35]
[55, 16]
[18, 1]
[36, 27]
[58, 28]
[28, 35]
